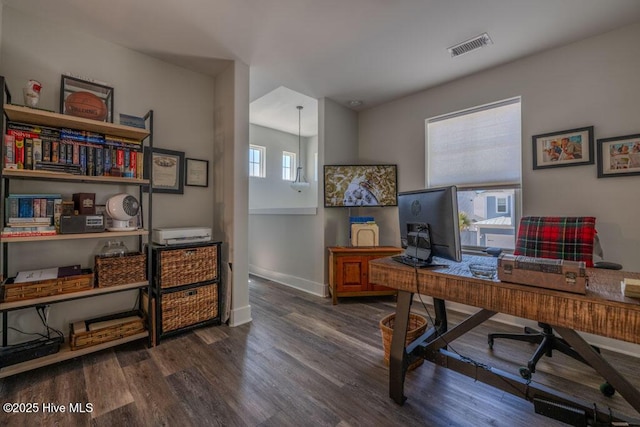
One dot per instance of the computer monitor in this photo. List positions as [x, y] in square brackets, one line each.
[429, 224]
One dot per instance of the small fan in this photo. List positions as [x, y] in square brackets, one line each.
[121, 208]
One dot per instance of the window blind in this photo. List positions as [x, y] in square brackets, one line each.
[476, 147]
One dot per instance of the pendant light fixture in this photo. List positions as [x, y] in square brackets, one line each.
[300, 183]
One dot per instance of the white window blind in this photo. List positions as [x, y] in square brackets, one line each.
[475, 147]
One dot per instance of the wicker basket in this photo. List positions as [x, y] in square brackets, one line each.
[43, 288]
[120, 270]
[96, 331]
[189, 307]
[177, 267]
[416, 327]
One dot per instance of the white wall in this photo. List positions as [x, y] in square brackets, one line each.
[231, 206]
[272, 192]
[183, 104]
[591, 82]
[291, 249]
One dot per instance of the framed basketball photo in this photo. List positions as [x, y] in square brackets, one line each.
[86, 99]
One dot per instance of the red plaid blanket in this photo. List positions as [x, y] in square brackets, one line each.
[569, 238]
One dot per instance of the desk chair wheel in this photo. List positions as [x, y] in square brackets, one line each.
[607, 389]
[525, 373]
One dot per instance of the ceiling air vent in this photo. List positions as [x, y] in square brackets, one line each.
[469, 45]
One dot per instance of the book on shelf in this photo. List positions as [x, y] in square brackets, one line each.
[29, 222]
[28, 233]
[71, 151]
[13, 228]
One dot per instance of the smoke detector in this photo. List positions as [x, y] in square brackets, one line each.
[469, 45]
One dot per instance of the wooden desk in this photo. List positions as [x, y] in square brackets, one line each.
[602, 311]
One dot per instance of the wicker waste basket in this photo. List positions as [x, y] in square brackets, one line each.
[416, 327]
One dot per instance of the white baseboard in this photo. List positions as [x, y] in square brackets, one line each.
[623, 347]
[305, 285]
[240, 316]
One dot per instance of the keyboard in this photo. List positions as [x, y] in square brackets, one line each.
[29, 350]
[415, 262]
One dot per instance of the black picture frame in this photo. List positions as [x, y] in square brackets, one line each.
[549, 152]
[70, 85]
[168, 170]
[196, 172]
[619, 156]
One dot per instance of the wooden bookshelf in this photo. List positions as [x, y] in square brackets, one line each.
[105, 235]
[37, 117]
[65, 353]
[15, 305]
[62, 176]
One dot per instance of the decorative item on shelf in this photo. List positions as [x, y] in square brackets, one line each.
[300, 183]
[133, 121]
[113, 248]
[117, 268]
[31, 93]
[86, 99]
[54, 281]
[86, 333]
[121, 208]
[84, 203]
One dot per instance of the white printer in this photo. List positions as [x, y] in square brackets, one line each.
[180, 235]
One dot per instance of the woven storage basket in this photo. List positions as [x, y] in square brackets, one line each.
[186, 266]
[118, 326]
[120, 270]
[189, 307]
[416, 327]
[44, 288]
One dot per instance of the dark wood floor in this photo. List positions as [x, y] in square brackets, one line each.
[301, 361]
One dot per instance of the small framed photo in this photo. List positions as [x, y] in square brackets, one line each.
[197, 173]
[573, 147]
[86, 99]
[619, 156]
[167, 170]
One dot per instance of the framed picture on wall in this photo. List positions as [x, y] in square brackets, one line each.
[619, 156]
[167, 168]
[573, 147]
[197, 173]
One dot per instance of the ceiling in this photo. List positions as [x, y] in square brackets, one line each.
[369, 50]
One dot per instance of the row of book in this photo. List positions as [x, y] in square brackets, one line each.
[32, 215]
[72, 151]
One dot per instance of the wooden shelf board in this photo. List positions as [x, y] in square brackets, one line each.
[65, 353]
[106, 234]
[62, 176]
[33, 116]
[14, 305]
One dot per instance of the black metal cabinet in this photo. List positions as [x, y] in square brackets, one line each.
[186, 287]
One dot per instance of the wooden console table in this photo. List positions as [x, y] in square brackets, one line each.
[349, 271]
[602, 311]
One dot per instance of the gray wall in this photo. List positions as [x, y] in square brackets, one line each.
[591, 82]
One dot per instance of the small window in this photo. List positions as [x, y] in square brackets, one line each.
[501, 205]
[288, 166]
[256, 161]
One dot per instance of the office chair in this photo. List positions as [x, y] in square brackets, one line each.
[567, 238]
